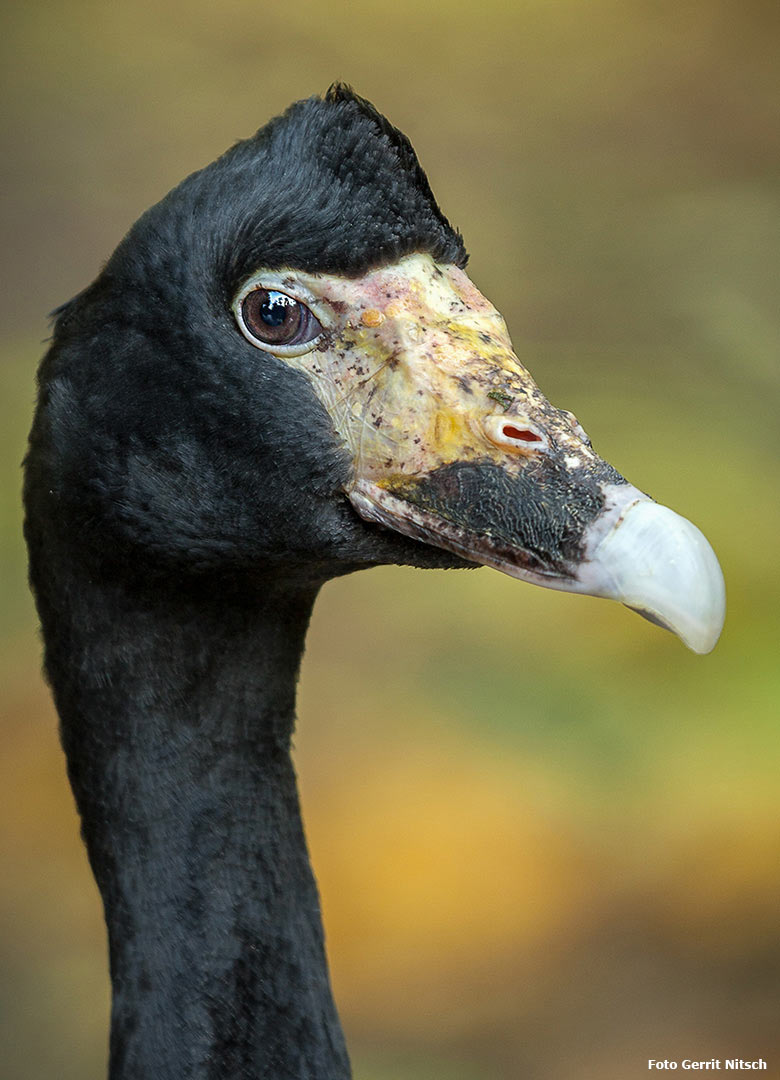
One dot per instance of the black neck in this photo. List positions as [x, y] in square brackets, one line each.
[177, 723]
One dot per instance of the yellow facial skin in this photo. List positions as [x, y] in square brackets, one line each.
[416, 370]
[452, 443]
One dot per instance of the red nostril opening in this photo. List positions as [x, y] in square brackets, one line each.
[523, 434]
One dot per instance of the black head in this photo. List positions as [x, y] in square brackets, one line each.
[162, 440]
[176, 440]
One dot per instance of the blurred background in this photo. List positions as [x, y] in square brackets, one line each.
[547, 837]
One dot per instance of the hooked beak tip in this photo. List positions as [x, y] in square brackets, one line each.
[660, 565]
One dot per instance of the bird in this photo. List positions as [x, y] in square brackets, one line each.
[282, 374]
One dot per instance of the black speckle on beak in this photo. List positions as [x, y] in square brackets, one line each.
[534, 517]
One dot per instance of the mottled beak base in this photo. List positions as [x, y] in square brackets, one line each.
[454, 444]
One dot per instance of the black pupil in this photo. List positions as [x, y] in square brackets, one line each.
[276, 308]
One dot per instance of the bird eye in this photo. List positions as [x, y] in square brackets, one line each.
[274, 318]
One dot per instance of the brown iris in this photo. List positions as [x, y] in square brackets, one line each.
[274, 318]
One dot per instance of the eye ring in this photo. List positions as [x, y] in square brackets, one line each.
[275, 321]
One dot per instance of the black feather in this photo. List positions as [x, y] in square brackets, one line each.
[184, 503]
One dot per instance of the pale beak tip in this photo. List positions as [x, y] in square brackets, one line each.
[659, 564]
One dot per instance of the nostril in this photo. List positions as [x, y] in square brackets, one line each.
[516, 435]
[523, 434]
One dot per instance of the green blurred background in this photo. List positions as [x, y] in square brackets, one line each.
[547, 836]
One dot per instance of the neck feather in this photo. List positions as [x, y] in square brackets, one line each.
[176, 719]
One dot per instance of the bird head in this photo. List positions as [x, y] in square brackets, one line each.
[285, 368]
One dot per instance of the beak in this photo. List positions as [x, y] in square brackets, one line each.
[453, 444]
